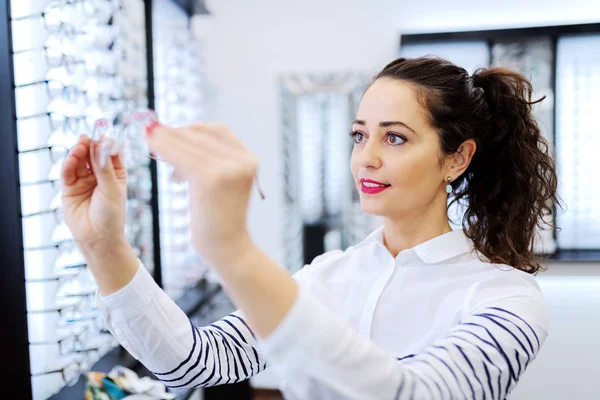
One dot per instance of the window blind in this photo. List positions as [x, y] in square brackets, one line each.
[577, 140]
[533, 57]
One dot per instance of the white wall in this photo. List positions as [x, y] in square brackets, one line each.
[567, 365]
[250, 43]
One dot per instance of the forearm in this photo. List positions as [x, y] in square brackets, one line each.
[113, 264]
[276, 310]
[262, 289]
[159, 334]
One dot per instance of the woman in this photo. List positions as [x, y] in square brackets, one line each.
[415, 311]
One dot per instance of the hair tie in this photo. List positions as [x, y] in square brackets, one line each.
[476, 79]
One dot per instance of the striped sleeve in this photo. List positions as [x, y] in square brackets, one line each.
[221, 353]
[482, 357]
[159, 334]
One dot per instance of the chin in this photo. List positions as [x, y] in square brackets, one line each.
[373, 207]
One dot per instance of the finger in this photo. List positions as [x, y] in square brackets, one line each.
[74, 166]
[193, 159]
[86, 141]
[207, 139]
[210, 140]
[190, 137]
[81, 152]
[189, 161]
[220, 132]
[117, 162]
[176, 152]
[107, 180]
[119, 166]
[173, 143]
[69, 171]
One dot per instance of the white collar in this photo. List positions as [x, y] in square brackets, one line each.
[435, 250]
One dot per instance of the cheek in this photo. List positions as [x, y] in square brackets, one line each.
[415, 170]
[406, 167]
[353, 165]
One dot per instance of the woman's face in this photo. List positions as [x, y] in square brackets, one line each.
[395, 146]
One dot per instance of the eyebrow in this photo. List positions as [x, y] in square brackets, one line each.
[386, 124]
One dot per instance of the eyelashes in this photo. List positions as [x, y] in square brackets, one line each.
[397, 137]
[354, 135]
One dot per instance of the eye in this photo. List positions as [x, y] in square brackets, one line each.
[395, 139]
[357, 137]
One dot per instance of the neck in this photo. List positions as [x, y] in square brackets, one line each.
[409, 230]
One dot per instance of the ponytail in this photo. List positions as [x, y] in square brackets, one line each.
[513, 181]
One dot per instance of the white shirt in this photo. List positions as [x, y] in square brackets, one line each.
[436, 322]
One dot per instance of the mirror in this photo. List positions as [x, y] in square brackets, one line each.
[321, 206]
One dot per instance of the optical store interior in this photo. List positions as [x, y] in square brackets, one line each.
[307, 200]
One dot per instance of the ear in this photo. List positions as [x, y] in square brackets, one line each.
[457, 163]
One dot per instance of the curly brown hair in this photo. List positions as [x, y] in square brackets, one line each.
[510, 185]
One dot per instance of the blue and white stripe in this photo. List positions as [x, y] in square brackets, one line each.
[481, 358]
[223, 352]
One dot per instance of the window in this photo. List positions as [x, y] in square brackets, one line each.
[557, 60]
[578, 140]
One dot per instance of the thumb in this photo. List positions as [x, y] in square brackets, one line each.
[105, 176]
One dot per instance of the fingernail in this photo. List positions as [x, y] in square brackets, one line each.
[150, 128]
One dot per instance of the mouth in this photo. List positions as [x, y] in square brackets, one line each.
[369, 186]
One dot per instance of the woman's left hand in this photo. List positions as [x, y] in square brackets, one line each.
[220, 171]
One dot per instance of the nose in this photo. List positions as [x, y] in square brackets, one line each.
[369, 155]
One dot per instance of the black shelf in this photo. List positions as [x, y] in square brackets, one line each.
[105, 364]
[13, 306]
[195, 298]
[110, 360]
[193, 7]
[565, 256]
[499, 34]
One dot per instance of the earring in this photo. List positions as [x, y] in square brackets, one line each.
[449, 186]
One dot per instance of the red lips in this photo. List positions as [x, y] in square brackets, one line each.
[372, 181]
[372, 189]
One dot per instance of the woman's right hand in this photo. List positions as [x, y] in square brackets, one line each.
[94, 198]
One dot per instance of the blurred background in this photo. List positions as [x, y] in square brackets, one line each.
[286, 76]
